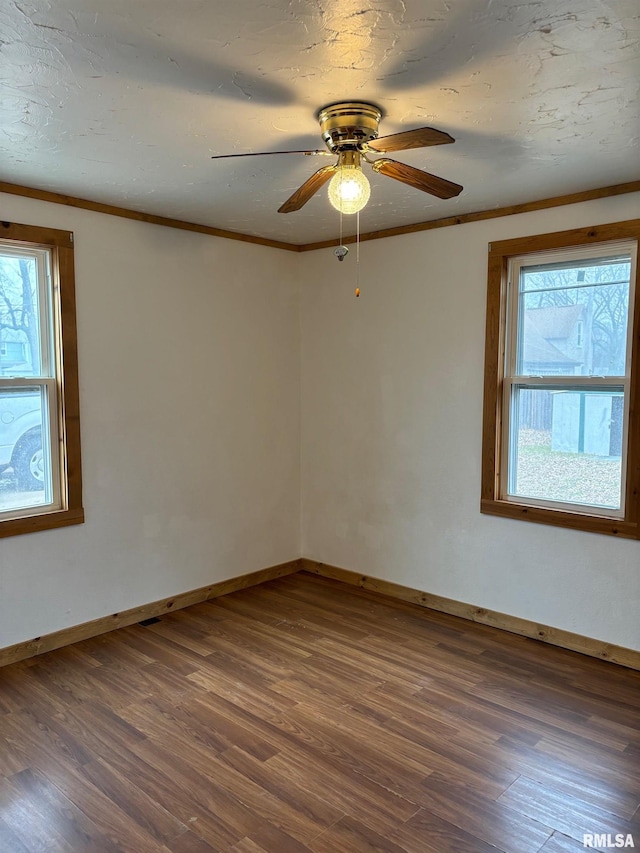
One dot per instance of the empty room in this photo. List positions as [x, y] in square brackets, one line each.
[319, 426]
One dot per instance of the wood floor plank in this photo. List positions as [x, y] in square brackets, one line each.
[225, 721]
[21, 685]
[247, 846]
[401, 774]
[190, 843]
[159, 650]
[183, 635]
[104, 813]
[321, 618]
[257, 648]
[343, 787]
[571, 747]
[425, 832]
[133, 801]
[295, 823]
[395, 625]
[46, 813]
[240, 803]
[9, 841]
[592, 782]
[236, 788]
[312, 809]
[252, 634]
[98, 728]
[39, 733]
[13, 757]
[569, 815]
[305, 716]
[348, 835]
[173, 793]
[29, 825]
[490, 821]
[107, 650]
[406, 670]
[420, 756]
[559, 843]
[215, 816]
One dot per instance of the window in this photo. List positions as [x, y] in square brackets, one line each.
[40, 478]
[561, 437]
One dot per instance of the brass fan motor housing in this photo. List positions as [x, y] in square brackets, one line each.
[347, 125]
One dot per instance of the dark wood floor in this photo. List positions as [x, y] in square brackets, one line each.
[304, 715]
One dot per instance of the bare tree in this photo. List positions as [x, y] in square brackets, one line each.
[610, 307]
[18, 306]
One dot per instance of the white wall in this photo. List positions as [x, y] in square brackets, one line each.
[392, 388]
[189, 381]
[190, 403]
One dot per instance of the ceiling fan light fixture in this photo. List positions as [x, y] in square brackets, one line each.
[350, 131]
[349, 189]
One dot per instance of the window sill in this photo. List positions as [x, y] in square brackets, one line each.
[46, 521]
[571, 520]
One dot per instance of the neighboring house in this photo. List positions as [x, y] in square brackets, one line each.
[557, 341]
[14, 353]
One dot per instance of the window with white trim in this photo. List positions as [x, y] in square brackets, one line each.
[40, 482]
[560, 445]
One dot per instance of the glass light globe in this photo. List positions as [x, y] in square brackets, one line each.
[349, 189]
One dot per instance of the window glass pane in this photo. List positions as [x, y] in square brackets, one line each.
[19, 316]
[566, 445]
[573, 319]
[25, 468]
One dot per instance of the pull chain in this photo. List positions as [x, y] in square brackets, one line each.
[358, 253]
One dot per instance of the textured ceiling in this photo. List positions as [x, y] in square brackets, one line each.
[125, 101]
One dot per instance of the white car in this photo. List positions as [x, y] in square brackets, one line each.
[21, 438]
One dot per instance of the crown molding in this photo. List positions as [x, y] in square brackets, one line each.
[446, 222]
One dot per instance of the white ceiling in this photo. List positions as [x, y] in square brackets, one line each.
[125, 101]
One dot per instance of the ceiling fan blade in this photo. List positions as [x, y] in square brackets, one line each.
[432, 184]
[267, 153]
[310, 187]
[421, 137]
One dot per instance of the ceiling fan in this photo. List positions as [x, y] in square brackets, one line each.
[350, 132]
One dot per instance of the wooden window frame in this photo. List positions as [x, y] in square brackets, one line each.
[493, 443]
[60, 245]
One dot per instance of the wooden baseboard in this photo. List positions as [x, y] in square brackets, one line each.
[555, 636]
[39, 645]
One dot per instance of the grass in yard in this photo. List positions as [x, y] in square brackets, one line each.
[572, 477]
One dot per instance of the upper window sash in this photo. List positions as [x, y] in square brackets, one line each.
[517, 268]
[48, 366]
